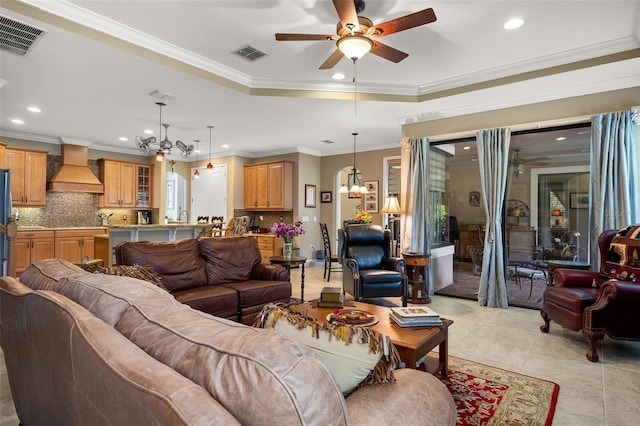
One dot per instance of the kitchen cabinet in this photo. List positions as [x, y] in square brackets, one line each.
[268, 186]
[32, 246]
[2, 149]
[28, 177]
[269, 245]
[143, 188]
[120, 183]
[75, 244]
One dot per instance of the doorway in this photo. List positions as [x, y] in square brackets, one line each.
[209, 192]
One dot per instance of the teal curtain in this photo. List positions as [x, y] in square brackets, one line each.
[493, 158]
[615, 180]
[415, 221]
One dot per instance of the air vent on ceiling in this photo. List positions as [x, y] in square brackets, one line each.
[162, 96]
[17, 37]
[249, 53]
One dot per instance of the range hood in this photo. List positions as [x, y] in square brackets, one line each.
[74, 174]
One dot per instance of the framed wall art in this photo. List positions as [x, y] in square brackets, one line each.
[579, 200]
[309, 195]
[326, 196]
[371, 196]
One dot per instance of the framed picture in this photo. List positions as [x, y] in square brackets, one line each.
[309, 195]
[326, 196]
[474, 198]
[579, 200]
[171, 194]
[371, 196]
[351, 180]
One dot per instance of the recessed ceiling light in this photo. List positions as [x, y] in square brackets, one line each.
[561, 138]
[123, 138]
[34, 109]
[225, 146]
[514, 23]
[338, 76]
[148, 132]
[467, 147]
[17, 121]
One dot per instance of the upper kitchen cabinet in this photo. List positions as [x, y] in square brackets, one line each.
[120, 183]
[125, 184]
[268, 186]
[28, 177]
[2, 149]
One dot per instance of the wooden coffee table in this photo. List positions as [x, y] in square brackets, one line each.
[412, 343]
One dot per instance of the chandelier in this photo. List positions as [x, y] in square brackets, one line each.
[165, 145]
[354, 179]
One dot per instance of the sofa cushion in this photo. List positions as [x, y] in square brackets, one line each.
[252, 292]
[229, 259]
[45, 274]
[177, 262]
[215, 300]
[355, 355]
[257, 375]
[108, 296]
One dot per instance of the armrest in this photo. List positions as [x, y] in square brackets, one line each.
[394, 263]
[575, 278]
[621, 290]
[351, 263]
[269, 273]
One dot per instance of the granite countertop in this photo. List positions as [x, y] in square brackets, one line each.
[59, 228]
[159, 225]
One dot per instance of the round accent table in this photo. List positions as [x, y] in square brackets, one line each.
[565, 264]
[288, 262]
[417, 267]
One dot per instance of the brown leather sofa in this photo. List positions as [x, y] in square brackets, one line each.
[222, 276]
[89, 349]
[603, 302]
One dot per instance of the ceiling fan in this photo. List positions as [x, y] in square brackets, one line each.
[518, 162]
[356, 35]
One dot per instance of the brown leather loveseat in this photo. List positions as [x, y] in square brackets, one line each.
[602, 302]
[222, 276]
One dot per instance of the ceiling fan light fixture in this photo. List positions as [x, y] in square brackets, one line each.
[354, 47]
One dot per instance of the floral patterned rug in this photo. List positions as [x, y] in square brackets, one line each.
[487, 395]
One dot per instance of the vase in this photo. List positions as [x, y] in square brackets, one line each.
[287, 251]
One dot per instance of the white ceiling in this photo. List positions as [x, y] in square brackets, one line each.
[92, 72]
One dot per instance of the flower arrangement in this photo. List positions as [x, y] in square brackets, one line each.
[288, 231]
[363, 216]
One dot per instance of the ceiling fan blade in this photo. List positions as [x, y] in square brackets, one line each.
[303, 37]
[347, 13]
[412, 20]
[332, 60]
[388, 52]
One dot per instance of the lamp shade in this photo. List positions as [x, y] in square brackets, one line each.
[160, 156]
[391, 205]
[354, 47]
[556, 212]
[343, 189]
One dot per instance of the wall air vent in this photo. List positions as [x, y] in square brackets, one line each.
[17, 37]
[249, 53]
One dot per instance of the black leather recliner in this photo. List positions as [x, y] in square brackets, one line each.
[368, 268]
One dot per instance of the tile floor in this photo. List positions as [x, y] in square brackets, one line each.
[603, 393]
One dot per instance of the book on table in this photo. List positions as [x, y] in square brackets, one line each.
[416, 322]
[332, 303]
[331, 294]
[411, 312]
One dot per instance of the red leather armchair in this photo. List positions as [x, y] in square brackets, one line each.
[604, 302]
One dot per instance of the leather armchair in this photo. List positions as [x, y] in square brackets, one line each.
[368, 268]
[599, 303]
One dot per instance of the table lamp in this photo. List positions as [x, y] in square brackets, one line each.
[391, 207]
[557, 213]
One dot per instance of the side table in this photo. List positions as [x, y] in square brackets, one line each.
[288, 262]
[565, 264]
[417, 267]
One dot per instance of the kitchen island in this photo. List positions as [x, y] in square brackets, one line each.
[116, 234]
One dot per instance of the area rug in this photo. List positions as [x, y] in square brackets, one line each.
[487, 395]
[465, 286]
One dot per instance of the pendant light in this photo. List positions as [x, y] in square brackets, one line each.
[356, 188]
[196, 173]
[210, 166]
